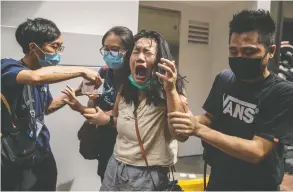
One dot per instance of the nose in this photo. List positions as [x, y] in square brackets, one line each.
[239, 54]
[140, 58]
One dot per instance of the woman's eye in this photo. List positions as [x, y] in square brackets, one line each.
[135, 51]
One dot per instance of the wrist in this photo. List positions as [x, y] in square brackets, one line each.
[172, 92]
[200, 130]
[81, 108]
[107, 119]
[83, 72]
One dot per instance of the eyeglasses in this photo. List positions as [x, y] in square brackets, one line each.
[106, 52]
[58, 49]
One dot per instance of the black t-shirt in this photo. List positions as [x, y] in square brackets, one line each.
[243, 110]
[106, 133]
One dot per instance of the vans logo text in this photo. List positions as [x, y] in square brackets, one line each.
[236, 108]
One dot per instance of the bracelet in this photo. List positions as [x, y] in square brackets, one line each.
[111, 121]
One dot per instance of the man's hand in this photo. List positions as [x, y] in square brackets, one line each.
[72, 101]
[93, 77]
[170, 76]
[184, 123]
[287, 184]
[99, 118]
[93, 96]
[252, 151]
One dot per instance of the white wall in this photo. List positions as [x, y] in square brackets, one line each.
[89, 17]
[194, 62]
[95, 18]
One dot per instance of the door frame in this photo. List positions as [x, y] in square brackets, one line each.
[287, 20]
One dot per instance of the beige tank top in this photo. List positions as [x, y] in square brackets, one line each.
[161, 149]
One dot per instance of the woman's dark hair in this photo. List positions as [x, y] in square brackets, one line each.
[39, 30]
[155, 92]
[123, 33]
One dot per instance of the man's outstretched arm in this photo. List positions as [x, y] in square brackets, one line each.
[55, 74]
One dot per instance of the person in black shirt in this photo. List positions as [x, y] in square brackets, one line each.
[249, 118]
[115, 43]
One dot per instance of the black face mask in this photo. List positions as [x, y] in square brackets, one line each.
[246, 68]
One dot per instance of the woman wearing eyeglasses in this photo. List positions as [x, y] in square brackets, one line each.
[101, 141]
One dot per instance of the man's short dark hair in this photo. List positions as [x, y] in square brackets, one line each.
[254, 20]
[38, 30]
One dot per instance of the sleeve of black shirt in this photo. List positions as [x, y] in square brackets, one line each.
[276, 124]
[212, 103]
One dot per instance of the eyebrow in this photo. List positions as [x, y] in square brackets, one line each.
[143, 47]
[109, 47]
[56, 43]
[245, 46]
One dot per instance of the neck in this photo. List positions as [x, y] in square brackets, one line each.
[264, 75]
[30, 62]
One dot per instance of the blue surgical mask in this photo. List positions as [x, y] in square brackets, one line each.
[50, 59]
[139, 86]
[114, 62]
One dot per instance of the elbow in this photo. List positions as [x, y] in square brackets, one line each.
[36, 79]
[256, 158]
[29, 77]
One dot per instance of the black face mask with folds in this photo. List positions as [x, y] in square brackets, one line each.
[246, 68]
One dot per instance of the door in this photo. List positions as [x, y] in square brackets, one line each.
[163, 21]
[287, 30]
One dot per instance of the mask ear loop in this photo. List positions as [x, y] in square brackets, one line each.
[270, 50]
[40, 49]
[45, 53]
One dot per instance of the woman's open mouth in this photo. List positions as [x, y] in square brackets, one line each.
[140, 73]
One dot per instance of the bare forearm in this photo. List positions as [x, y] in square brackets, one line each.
[87, 110]
[56, 104]
[246, 150]
[49, 75]
[204, 119]
[174, 103]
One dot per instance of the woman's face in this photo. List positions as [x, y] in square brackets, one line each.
[112, 43]
[142, 60]
[113, 51]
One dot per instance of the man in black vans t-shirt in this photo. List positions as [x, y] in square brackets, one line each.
[249, 112]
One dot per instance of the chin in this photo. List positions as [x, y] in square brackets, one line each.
[140, 80]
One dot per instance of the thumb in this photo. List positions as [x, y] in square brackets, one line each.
[66, 101]
[88, 116]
